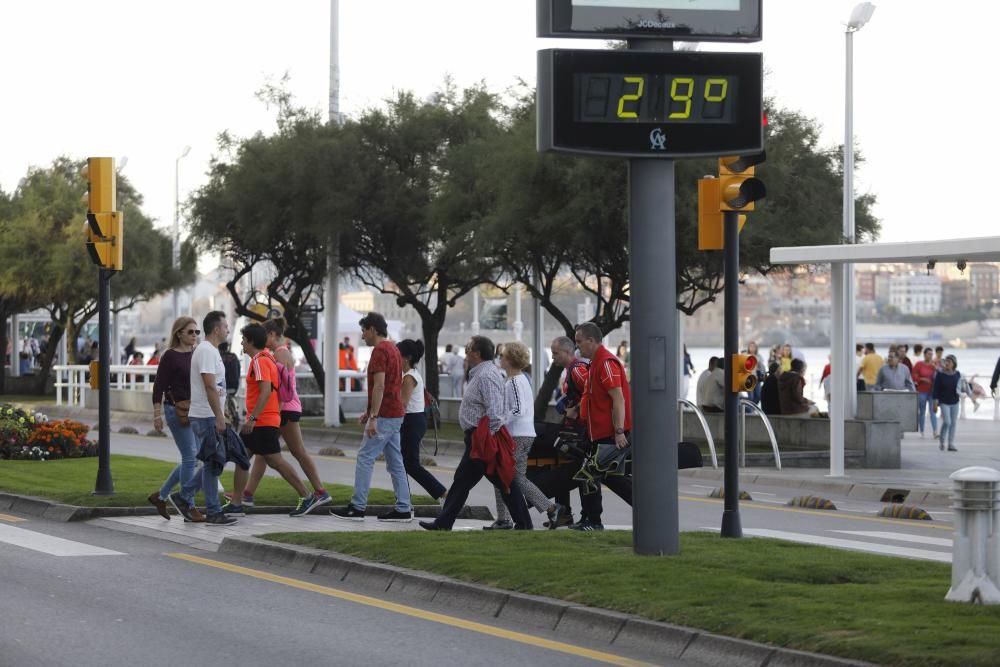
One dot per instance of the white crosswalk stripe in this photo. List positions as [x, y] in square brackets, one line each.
[853, 545]
[48, 544]
[900, 537]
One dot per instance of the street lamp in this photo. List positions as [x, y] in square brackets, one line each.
[843, 398]
[177, 225]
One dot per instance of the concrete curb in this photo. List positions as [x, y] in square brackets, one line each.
[576, 622]
[850, 489]
[53, 511]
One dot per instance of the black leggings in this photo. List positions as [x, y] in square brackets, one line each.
[410, 435]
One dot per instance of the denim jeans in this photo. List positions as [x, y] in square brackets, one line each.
[414, 428]
[203, 427]
[386, 440]
[924, 399]
[949, 420]
[187, 472]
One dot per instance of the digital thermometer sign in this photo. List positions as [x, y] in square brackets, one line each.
[649, 104]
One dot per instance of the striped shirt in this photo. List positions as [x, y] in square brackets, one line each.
[483, 398]
[519, 409]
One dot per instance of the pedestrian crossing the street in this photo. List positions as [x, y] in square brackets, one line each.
[49, 544]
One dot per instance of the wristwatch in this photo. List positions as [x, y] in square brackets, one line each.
[619, 431]
[251, 418]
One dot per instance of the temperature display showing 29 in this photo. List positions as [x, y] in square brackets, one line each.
[661, 98]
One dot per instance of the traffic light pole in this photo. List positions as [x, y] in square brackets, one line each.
[731, 524]
[104, 486]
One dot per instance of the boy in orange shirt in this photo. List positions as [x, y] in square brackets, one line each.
[260, 431]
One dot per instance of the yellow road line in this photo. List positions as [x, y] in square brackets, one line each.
[453, 621]
[828, 514]
[10, 517]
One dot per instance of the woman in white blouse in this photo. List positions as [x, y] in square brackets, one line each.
[519, 409]
[415, 422]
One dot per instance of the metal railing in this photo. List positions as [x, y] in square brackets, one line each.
[684, 405]
[744, 403]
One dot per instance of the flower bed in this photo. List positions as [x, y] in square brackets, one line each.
[26, 435]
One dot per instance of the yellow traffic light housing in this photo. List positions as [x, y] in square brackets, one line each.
[710, 230]
[102, 184]
[738, 189]
[95, 375]
[105, 235]
[744, 375]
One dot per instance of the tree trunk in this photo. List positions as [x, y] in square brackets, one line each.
[431, 330]
[301, 337]
[51, 350]
[549, 384]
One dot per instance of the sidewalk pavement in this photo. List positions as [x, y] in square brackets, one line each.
[922, 479]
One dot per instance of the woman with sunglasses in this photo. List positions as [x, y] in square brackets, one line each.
[172, 386]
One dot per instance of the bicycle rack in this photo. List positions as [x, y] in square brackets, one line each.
[684, 405]
[743, 432]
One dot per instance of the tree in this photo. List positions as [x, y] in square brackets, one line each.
[44, 262]
[566, 216]
[419, 204]
[270, 207]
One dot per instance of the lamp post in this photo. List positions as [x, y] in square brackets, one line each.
[843, 394]
[177, 225]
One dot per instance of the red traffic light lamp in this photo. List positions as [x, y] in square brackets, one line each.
[744, 376]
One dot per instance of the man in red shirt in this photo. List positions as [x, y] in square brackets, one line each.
[607, 410]
[260, 430]
[382, 421]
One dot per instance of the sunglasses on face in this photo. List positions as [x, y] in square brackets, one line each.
[193, 332]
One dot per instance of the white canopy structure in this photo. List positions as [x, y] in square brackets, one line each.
[843, 397]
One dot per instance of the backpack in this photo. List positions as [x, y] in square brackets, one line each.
[232, 365]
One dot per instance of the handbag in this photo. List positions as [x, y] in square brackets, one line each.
[181, 409]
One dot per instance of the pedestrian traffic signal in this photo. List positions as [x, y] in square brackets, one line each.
[710, 229]
[744, 376]
[102, 182]
[738, 188]
[105, 239]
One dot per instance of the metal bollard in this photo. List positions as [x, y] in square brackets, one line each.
[975, 564]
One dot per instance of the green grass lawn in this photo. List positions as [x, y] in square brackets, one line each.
[71, 481]
[881, 609]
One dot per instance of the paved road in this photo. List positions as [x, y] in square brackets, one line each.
[81, 595]
[853, 526]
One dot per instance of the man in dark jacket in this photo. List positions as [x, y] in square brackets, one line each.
[770, 403]
[790, 384]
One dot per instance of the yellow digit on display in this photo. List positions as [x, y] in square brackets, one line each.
[722, 83]
[631, 97]
[685, 98]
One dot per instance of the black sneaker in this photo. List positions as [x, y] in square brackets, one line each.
[230, 509]
[557, 516]
[180, 505]
[220, 519]
[500, 525]
[349, 513]
[587, 525]
[396, 516]
[430, 525]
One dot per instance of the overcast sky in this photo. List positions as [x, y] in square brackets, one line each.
[145, 79]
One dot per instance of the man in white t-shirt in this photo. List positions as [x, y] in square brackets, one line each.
[208, 394]
[454, 366]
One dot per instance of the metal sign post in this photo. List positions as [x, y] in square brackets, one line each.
[731, 524]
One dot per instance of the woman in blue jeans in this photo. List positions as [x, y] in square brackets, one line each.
[173, 385]
[946, 383]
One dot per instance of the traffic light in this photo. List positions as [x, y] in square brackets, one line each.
[105, 239]
[737, 187]
[95, 375]
[104, 226]
[102, 184]
[744, 377]
[710, 232]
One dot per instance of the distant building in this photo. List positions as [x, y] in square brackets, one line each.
[866, 285]
[915, 293]
[985, 282]
[956, 295]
